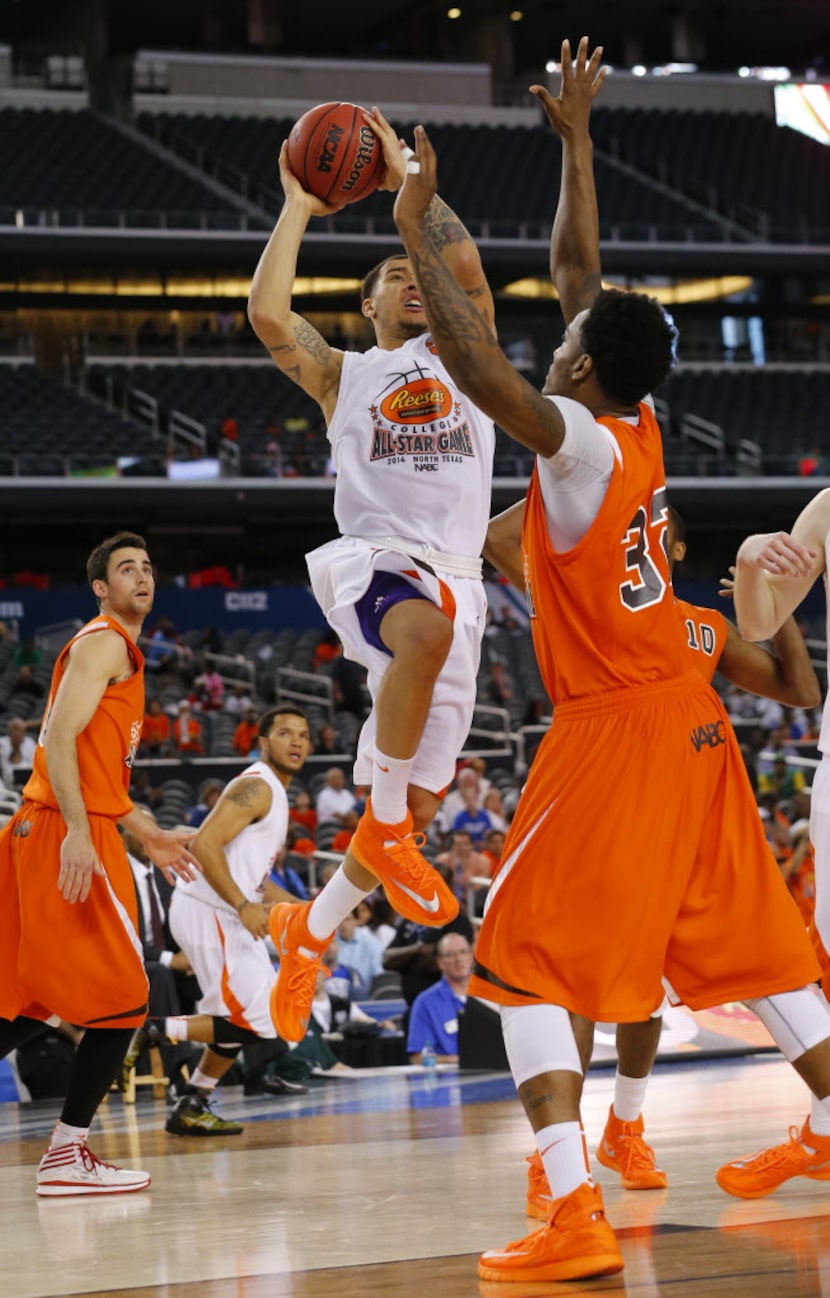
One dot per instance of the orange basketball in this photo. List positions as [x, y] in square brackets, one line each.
[334, 154]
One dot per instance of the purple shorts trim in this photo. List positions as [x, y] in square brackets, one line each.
[385, 590]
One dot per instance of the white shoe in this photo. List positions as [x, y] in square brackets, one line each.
[74, 1169]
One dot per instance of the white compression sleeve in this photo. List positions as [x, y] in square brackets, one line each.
[538, 1039]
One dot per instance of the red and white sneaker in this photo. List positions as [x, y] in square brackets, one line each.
[74, 1169]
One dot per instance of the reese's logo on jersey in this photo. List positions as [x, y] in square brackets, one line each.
[417, 402]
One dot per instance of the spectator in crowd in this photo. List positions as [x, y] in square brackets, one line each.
[296, 840]
[326, 744]
[17, 750]
[467, 778]
[349, 681]
[411, 953]
[187, 733]
[378, 916]
[163, 648]
[141, 789]
[27, 683]
[209, 794]
[328, 648]
[285, 876]
[245, 735]
[492, 848]
[464, 862]
[303, 813]
[157, 732]
[783, 781]
[434, 1017]
[344, 835]
[239, 701]
[472, 816]
[360, 952]
[335, 801]
[209, 691]
[495, 810]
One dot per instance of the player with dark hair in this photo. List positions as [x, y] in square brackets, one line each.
[715, 643]
[675, 877]
[402, 584]
[69, 947]
[221, 918]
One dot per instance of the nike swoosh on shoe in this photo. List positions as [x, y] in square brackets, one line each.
[430, 906]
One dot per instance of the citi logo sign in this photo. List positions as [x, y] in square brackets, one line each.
[712, 734]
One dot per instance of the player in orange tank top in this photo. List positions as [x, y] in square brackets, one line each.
[674, 877]
[68, 942]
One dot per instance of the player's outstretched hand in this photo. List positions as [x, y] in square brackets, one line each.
[395, 150]
[421, 184]
[727, 584]
[581, 83]
[168, 849]
[778, 554]
[294, 192]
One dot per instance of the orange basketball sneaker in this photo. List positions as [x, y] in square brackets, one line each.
[623, 1149]
[300, 963]
[413, 888]
[576, 1242]
[804, 1154]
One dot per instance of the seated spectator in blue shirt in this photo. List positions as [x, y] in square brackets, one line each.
[472, 818]
[208, 797]
[435, 1012]
[359, 951]
[285, 877]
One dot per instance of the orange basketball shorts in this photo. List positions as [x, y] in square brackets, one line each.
[83, 961]
[637, 852]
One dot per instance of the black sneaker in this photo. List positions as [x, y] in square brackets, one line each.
[147, 1035]
[273, 1086]
[193, 1116]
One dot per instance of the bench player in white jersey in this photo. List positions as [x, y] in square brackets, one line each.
[220, 923]
[716, 645]
[402, 584]
[773, 574]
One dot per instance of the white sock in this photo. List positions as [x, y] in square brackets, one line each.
[337, 900]
[390, 781]
[562, 1150]
[66, 1135]
[200, 1079]
[820, 1115]
[175, 1027]
[629, 1094]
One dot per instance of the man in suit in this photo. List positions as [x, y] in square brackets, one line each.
[173, 985]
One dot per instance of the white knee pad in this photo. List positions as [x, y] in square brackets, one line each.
[539, 1039]
[796, 1021]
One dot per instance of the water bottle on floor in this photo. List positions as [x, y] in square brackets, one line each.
[429, 1063]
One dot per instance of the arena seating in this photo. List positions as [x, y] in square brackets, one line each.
[503, 175]
[82, 167]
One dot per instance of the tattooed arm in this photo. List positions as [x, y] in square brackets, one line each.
[464, 338]
[243, 802]
[295, 345]
[574, 243]
[448, 233]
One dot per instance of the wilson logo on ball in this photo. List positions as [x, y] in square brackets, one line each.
[335, 154]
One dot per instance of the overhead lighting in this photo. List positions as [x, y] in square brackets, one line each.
[453, 13]
[516, 15]
[638, 70]
[551, 66]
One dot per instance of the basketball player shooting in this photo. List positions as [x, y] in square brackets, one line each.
[402, 584]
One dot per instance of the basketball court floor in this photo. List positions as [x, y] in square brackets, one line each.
[389, 1183]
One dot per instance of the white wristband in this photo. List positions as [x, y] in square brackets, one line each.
[407, 153]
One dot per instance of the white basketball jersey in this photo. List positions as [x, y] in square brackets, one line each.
[252, 852]
[413, 456]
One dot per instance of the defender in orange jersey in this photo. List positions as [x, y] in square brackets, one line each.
[640, 778]
[68, 942]
[715, 644]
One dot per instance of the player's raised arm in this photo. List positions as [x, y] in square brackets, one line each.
[574, 244]
[775, 570]
[447, 231]
[465, 340]
[295, 345]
